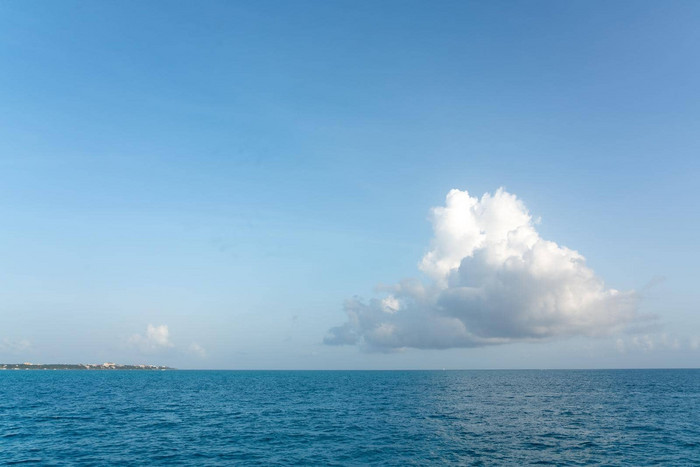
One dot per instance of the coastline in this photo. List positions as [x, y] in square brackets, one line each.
[80, 366]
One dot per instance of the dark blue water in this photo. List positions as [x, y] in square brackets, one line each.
[631, 417]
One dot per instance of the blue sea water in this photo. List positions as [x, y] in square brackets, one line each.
[616, 417]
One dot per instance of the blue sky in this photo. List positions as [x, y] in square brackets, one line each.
[236, 170]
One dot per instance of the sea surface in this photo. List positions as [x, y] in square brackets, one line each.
[615, 417]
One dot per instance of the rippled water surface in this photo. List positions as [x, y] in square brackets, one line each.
[631, 417]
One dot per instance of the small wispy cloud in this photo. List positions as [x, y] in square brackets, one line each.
[155, 338]
[196, 349]
[14, 346]
[653, 342]
[694, 343]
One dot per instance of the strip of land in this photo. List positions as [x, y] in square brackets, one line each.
[79, 366]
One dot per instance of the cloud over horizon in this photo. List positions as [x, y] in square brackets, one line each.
[14, 346]
[156, 338]
[493, 280]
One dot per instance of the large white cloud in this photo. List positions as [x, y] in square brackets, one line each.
[493, 280]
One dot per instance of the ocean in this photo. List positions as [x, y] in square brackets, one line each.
[557, 417]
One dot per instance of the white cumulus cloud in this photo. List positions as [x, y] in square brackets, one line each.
[493, 280]
[155, 338]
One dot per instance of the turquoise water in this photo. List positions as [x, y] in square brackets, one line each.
[630, 417]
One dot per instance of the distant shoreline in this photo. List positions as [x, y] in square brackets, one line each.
[80, 366]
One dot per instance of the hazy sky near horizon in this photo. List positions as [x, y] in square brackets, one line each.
[265, 184]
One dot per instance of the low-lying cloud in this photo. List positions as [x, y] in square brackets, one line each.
[14, 346]
[657, 341]
[493, 280]
[197, 350]
[155, 338]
